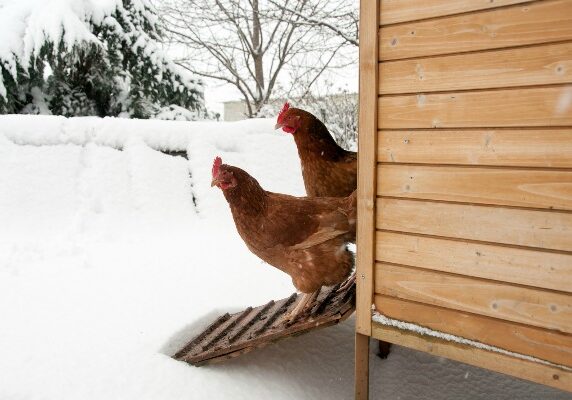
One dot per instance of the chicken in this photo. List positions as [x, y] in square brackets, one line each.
[304, 237]
[327, 169]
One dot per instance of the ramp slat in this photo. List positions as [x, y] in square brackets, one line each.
[230, 336]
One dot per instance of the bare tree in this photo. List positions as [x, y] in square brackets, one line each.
[261, 46]
[339, 17]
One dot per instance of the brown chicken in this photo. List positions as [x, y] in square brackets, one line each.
[327, 169]
[304, 237]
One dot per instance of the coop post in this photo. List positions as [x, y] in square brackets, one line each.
[362, 367]
[367, 140]
[366, 189]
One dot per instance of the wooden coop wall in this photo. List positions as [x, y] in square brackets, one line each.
[465, 177]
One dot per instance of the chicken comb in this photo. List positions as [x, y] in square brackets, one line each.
[285, 108]
[216, 165]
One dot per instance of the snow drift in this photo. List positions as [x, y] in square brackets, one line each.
[112, 254]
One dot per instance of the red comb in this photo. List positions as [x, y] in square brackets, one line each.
[285, 108]
[216, 164]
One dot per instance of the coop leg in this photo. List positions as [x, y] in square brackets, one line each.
[362, 367]
[383, 349]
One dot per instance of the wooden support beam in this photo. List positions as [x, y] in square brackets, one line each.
[362, 367]
[366, 187]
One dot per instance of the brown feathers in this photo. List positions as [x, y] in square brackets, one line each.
[302, 236]
[327, 169]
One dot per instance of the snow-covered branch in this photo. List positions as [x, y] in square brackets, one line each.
[85, 57]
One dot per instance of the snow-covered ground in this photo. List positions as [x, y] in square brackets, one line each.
[112, 255]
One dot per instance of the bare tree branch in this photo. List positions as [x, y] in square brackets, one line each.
[255, 45]
[351, 38]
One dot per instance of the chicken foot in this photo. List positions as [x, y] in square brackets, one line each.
[350, 281]
[307, 298]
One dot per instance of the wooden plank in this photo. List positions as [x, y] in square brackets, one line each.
[396, 11]
[512, 187]
[528, 66]
[369, 12]
[521, 148]
[233, 335]
[519, 25]
[524, 369]
[523, 339]
[361, 367]
[530, 306]
[550, 106]
[507, 264]
[539, 229]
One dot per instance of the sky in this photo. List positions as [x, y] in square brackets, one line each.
[216, 93]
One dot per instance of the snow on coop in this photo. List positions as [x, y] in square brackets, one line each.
[465, 181]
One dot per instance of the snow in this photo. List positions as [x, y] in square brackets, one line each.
[408, 326]
[107, 267]
[176, 113]
[25, 25]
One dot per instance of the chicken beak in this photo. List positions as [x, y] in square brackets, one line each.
[214, 182]
[278, 126]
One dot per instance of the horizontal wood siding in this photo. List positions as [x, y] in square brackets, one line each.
[530, 306]
[528, 66]
[395, 11]
[530, 228]
[531, 107]
[524, 369]
[511, 187]
[474, 178]
[519, 25]
[523, 339]
[500, 263]
[544, 148]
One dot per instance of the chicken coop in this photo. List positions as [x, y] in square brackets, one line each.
[464, 246]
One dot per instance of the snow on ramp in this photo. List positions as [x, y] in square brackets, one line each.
[107, 263]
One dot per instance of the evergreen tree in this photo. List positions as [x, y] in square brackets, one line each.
[100, 60]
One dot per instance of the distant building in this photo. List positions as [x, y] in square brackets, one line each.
[236, 110]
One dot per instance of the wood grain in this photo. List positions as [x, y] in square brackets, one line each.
[530, 306]
[546, 375]
[499, 186]
[523, 339]
[506, 264]
[551, 106]
[395, 11]
[361, 366]
[519, 25]
[521, 148]
[529, 66]
[367, 144]
[540, 229]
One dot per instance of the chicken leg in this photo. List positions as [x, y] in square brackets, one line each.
[349, 282]
[307, 298]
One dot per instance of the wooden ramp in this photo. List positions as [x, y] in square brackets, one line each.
[231, 335]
